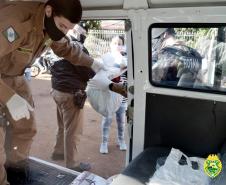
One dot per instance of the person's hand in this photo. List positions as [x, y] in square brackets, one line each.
[119, 88]
[97, 66]
[100, 80]
[18, 107]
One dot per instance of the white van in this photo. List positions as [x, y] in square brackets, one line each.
[165, 115]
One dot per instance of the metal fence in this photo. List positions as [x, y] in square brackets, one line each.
[189, 38]
[98, 41]
[186, 35]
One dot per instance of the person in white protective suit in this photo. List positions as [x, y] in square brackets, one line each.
[112, 59]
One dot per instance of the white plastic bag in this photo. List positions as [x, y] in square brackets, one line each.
[104, 102]
[87, 178]
[100, 97]
[172, 173]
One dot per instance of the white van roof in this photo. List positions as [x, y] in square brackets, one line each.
[137, 4]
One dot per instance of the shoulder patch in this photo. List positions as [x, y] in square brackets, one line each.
[10, 34]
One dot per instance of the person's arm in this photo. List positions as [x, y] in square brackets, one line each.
[74, 54]
[102, 82]
[5, 92]
[10, 41]
[12, 36]
[119, 88]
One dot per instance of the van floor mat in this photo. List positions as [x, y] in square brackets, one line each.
[40, 174]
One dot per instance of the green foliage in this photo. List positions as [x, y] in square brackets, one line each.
[93, 24]
[191, 35]
[197, 31]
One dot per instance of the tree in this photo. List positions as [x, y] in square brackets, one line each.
[93, 24]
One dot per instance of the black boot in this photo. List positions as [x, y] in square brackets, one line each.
[19, 173]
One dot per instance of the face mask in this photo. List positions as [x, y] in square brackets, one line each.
[53, 32]
[82, 38]
[120, 48]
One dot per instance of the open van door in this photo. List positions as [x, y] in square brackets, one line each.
[188, 116]
[121, 14]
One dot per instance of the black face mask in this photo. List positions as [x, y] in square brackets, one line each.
[50, 27]
[82, 38]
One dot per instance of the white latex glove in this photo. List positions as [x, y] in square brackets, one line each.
[100, 80]
[97, 66]
[18, 107]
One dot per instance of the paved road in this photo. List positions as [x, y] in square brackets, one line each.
[45, 109]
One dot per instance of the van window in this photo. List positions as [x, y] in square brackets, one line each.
[188, 56]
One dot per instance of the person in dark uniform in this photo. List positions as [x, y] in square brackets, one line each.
[68, 91]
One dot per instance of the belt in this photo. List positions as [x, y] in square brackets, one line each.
[69, 91]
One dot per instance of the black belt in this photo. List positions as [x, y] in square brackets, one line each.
[69, 91]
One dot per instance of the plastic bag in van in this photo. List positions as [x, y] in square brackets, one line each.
[173, 172]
